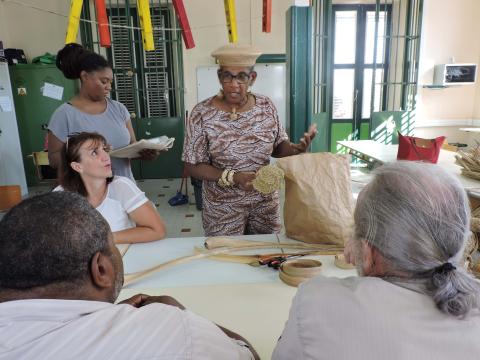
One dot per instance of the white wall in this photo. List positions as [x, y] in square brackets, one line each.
[3, 29]
[32, 30]
[450, 29]
[476, 110]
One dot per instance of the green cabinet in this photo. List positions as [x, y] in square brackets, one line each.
[37, 91]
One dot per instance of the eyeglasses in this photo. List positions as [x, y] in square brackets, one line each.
[241, 78]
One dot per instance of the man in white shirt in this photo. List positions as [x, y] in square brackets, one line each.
[413, 299]
[59, 276]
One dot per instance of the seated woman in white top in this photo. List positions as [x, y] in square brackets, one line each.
[413, 299]
[86, 169]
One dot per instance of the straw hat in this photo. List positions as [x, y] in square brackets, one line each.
[236, 55]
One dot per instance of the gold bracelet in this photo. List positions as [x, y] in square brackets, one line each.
[230, 175]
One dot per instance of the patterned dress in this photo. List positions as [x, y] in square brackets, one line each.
[244, 144]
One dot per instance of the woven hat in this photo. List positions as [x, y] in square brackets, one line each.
[236, 55]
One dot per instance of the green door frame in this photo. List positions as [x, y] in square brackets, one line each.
[299, 71]
[303, 81]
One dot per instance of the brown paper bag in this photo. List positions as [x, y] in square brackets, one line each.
[318, 198]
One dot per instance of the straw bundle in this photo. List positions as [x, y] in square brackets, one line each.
[469, 160]
[471, 254]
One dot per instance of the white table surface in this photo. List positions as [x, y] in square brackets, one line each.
[205, 271]
[383, 153]
[471, 129]
[249, 300]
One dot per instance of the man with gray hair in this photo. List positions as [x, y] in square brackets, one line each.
[60, 273]
[413, 299]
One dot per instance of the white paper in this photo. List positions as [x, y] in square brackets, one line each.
[53, 91]
[161, 143]
[5, 103]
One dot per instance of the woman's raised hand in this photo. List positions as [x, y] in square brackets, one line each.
[306, 140]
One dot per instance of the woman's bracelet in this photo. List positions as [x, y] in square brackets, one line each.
[230, 175]
[222, 181]
[226, 179]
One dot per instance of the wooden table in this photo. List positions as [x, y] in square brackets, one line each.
[376, 153]
[249, 300]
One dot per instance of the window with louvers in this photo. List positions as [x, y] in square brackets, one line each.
[123, 61]
[155, 65]
[143, 80]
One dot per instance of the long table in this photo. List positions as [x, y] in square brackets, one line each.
[377, 153]
[249, 300]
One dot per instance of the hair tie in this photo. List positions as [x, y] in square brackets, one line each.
[445, 268]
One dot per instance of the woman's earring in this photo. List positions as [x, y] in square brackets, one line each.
[220, 94]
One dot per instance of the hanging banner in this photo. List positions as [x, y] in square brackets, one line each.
[231, 20]
[184, 24]
[146, 24]
[102, 20]
[267, 16]
[73, 21]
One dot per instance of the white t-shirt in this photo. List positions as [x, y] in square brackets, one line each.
[123, 197]
[79, 329]
[369, 318]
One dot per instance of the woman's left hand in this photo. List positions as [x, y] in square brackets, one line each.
[148, 154]
[306, 140]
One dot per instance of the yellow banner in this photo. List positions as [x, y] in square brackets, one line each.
[146, 24]
[231, 20]
[73, 21]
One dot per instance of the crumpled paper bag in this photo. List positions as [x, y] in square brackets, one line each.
[318, 198]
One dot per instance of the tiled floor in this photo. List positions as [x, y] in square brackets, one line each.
[182, 220]
[186, 220]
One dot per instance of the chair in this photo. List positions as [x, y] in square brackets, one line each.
[42, 166]
[10, 195]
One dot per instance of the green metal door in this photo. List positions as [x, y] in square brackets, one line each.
[357, 61]
[370, 86]
[34, 107]
[168, 164]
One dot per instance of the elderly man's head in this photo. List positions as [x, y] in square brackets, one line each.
[411, 222]
[57, 245]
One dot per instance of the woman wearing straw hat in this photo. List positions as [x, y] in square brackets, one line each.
[229, 137]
